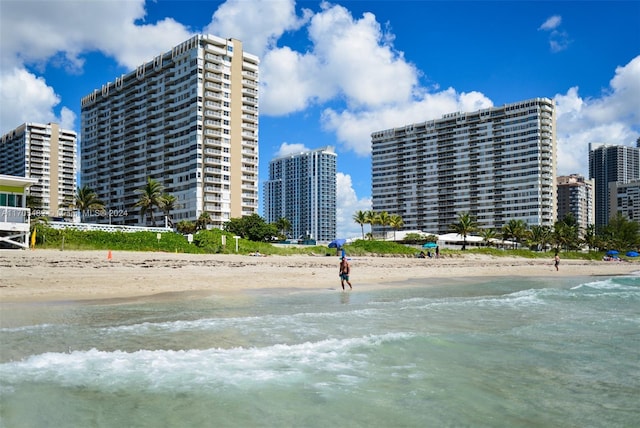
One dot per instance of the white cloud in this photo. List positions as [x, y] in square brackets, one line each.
[247, 21]
[351, 59]
[558, 40]
[36, 34]
[291, 82]
[25, 97]
[347, 204]
[612, 118]
[551, 23]
[288, 149]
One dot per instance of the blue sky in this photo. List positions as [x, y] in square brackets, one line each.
[333, 72]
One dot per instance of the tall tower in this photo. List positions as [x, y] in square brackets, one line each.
[46, 153]
[497, 164]
[302, 189]
[610, 164]
[187, 119]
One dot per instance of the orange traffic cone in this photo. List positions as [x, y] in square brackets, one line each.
[109, 256]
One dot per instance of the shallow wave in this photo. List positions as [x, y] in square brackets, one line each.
[221, 323]
[616, 283]
[27, 328]
[187, 370]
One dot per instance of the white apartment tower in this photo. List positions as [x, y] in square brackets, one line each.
[497, 164]
[47, 153]
[187, 119]
[576, 195]
[302, 189]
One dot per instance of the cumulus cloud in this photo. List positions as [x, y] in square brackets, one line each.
[245, 21]
[24, 97]
[59, 34]
[551, 23]
[348, 58]
[558, 40]
[612, 118]
[288, 149]
[348, 203]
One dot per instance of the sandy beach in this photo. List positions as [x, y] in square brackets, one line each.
[50, 275]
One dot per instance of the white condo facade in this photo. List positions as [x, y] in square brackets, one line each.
[187, 119]
[576, 196]
[497, 164]
[47, 154]
[302, 188]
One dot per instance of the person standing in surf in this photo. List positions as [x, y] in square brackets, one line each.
[345, 269]
[556, 261]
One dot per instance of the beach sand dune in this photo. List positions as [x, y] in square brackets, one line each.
[50, 275]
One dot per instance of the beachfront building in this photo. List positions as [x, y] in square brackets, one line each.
[575, 196]
[188, 119]
[302, 189]
[624, 198]
[611, 164]
[46, 153]
[15, 217]
[497, 164]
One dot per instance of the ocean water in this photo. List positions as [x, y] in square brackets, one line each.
[507, 352]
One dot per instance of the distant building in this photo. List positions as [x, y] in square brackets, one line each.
[611, 164]
[302, 189]
[187, 119]
[46, 153]
[497, 164]
[575, 196]
[624, 198]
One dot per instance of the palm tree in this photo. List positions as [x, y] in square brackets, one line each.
[465, 226]
[519, 229]
[488, 235]
[567, 232]
[150, 197]
[284, 225]
[203, 221]
[383, 219]
[540, 236]
[360, 217]
[168, 204]
[396, 222]
[86, 200]
[590, 236]
[516, 230]
[370, 220]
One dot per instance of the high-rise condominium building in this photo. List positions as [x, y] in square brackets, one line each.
[575, 196]
[497, 164]
[46, 153]
[189, 120]
[611, 164]
[624, 198]
[302, 189]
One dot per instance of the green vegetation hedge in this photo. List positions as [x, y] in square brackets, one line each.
[210, 242]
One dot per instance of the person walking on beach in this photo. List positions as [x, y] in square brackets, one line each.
[556, 261]
[345, 269]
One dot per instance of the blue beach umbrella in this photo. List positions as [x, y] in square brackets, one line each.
[337, 243]
[612, 253]
[430, 245]
[632, 254]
